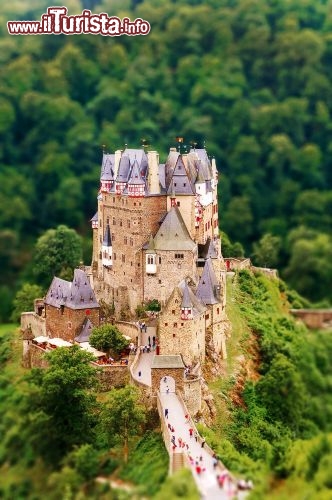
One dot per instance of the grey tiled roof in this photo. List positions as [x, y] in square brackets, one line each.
[207, 285]
[173, 233]
[107, 241]
[170, 166]
[94, 218]
[207, 250]
[162, 179]
[107, 167]
[124, 169]
[180, 182]
[77, 294]
[171, 361]
[135, 175]
[85, 331]
[189, 299]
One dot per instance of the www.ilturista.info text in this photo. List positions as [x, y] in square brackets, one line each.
[57, 22]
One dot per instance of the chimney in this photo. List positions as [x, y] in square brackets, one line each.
[153, 176]
[117, 158]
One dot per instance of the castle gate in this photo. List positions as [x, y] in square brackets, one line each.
[167, 384]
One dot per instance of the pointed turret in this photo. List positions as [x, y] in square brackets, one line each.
[186, 305]
[208, 290]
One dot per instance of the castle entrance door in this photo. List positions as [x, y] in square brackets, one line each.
[167, 384]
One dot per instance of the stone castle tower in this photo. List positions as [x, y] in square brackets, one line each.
[156, 236]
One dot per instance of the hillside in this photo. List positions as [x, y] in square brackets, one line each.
[251, 79]
[273, 419]
[274, 405]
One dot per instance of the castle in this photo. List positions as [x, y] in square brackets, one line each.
[156, 236]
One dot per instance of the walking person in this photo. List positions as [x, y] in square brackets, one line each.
[166, 412]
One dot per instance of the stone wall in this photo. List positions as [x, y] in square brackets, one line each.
[112, 376]
[158, 373]
[191, 394]
[177, 335]
[169, 274]
[67, 323]
[314, 318]
[129, 329]
[35, 322]
[36, 357]
[132, 220]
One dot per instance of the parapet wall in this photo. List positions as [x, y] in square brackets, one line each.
[35, 322]
[314, 318]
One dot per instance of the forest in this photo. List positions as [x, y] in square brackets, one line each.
[248, 79]
[272, 421]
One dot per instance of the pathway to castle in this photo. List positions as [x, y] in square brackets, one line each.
[142, 373]
[206, 480]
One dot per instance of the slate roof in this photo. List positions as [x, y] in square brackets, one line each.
[77, 294]
[124, 169]
[135, 175]
[171, 361]
[173, 233]
[107, 241]
[107, 167]
[207, 250]
[180, 182]
[85, 331]
[189, 299]
[94, 218]
[207, 285]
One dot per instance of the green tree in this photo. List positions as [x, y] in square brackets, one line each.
[266, 250]
[24, 299]
[282, 392]
[108, 338]
[56, 251]
[62, 409]
[124, 415]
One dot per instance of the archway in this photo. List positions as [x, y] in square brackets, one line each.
[167, 384]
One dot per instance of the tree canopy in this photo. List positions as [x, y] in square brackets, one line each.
[250, 79]
[108, 338]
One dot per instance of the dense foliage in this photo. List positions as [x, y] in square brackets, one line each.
[280, 403]
[108, 338]
[57, 434]
[252, 79]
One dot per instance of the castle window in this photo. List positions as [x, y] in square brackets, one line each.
[114, 223]
[179, 255]
[159, 260]
[184, 184]
[128, 224]
[181, 324]
[125, 239]
[134, 203]
[114, 256]
[113, 236]
[131, 241]
[173, 311]
[123, 258]
[120, 223]
[207, 316]
[176, 301]
[100, 255]
[175, 325]
[217, 310]
[159, 281]
[166, 324]
[178, 203]
[174, 183]
[174, 335]
[113, 199]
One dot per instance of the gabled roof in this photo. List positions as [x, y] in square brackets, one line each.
[173, 233]
[85, 331]
[77, 294]
[107, 240]
[206, 290]
[170, 166]
[135, 175]
[107, 167]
